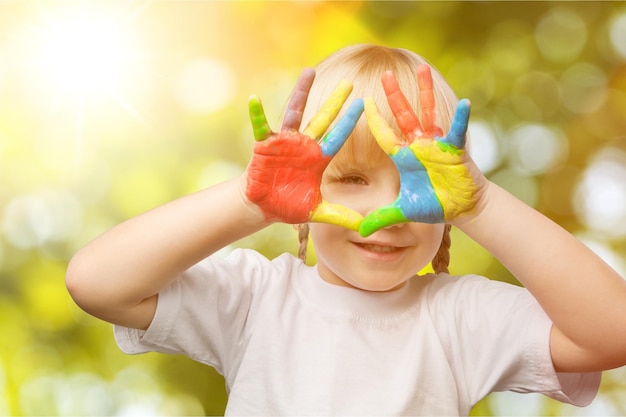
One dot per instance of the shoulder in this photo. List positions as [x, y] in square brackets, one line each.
[243, 268]
[465, 294]
[440, 284]
[248, 260]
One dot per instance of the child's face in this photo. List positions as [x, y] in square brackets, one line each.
[386, 259]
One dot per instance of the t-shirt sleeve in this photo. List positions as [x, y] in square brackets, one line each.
[500, 341]
[203, 313]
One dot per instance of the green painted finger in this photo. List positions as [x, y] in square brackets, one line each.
[260, 127]
[329, 110]
[381, 218]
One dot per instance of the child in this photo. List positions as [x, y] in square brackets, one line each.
[360, 333]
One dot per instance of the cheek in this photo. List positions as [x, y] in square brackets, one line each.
[436, 231]
[321, 234]
[324, 240]
[430, 236]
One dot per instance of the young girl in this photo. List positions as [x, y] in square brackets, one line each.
[360, 333]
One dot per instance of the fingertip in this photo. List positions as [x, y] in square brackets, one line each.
[389, 81]
[365, 230]
[255, 107]
[308, 74]
[464, 108]
[423, 69]
[253, 98]
[369, 104]
[357, 105]
[370, 108]
[345, 85]
[370, 224]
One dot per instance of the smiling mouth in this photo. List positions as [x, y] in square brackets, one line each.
[379, 248]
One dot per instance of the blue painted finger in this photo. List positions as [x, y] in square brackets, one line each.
[334, 140]
[417, 199]
[458, 128]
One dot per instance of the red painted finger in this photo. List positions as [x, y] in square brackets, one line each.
[427, 100]
[405, 117]
[297, 102]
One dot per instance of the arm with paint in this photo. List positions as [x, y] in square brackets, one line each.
[117, 276]
[582, 295]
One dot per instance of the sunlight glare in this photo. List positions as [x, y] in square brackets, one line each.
[85, 53]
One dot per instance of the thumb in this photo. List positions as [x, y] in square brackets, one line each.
[381, 218]
[336, 214]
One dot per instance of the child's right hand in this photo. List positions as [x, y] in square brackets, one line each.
[439, 183]
[284, 175]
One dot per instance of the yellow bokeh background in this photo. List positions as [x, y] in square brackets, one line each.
[108, 109]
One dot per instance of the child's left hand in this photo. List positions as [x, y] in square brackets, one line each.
[438, 181]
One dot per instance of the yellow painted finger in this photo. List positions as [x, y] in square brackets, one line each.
[336, 214]
[329, 110]
[386, 137]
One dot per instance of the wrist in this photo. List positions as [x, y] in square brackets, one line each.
[253, 211]
[483, 198]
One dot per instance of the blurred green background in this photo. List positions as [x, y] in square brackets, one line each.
[110, 108]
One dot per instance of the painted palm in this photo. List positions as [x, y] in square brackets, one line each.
[285, 172]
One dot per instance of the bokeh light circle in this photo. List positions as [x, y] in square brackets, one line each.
[484, 146]
[534, 148]
[561, 34]
[206, 86]
[48, 216]
[617, 34]
[600, 198]
[583, 88]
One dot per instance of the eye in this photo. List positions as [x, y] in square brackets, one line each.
[352, 179]
[348, 177]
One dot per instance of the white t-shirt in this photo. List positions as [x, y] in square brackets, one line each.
[289, 343]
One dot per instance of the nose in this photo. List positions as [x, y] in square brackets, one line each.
[382, 194]
[393, 226]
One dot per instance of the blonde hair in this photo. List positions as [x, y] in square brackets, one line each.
[364, 65]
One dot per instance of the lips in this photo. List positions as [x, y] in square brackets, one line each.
[378, 248]
[380, 251]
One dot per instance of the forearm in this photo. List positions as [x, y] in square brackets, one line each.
[136, 259]
[583, 296]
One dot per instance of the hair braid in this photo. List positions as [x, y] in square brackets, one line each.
[303, 240]
[442, 258]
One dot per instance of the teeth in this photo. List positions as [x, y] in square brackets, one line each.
[379, 249]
